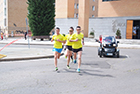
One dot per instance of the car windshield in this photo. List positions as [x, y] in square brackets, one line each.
[108, 39]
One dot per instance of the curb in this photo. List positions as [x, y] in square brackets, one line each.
[28, 58]
[84, 45]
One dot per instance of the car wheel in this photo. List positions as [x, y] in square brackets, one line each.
[118, 55]
[100, 54]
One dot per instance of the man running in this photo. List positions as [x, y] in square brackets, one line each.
[59, 39]
[69, 46]
[77, 39]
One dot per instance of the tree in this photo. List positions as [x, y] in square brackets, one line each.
[41, 16]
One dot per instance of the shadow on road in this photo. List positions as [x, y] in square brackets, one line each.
[93, 74]
[86, 72]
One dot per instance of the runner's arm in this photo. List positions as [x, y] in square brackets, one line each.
[60, 41]
[73, 40]
[52, 40]
[83, 41]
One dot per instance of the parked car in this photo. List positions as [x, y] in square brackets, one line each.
[108, 46]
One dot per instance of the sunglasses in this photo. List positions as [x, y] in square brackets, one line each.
[70, 31]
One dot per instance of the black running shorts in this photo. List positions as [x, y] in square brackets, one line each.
[77, 50]
[69, 48]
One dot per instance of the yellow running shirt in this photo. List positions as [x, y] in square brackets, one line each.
[68, 38]
[58, 44]
[77, 44]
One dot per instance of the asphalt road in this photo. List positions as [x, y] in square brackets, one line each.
[107, 75]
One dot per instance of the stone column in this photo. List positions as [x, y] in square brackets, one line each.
[83, 19]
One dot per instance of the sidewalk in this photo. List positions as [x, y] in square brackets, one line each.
[124, 43]
[34, 53]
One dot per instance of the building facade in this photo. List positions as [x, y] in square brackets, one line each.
[12, 17]
[100, 16]
[3, 15]
[77, 9]
[105, 17]
[128, 9]
[70, 8]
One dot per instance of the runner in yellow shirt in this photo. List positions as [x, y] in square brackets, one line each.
[77, 39]
[59, 39]
[69, 45]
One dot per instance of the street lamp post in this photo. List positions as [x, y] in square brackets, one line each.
[27, 31]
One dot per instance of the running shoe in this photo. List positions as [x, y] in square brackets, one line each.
[71, 60]
[74, 61]
[68, 67]
[56, 69]
[78, 70]
[65, 56]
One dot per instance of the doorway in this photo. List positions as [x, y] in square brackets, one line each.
[133, 29]
[136, 29]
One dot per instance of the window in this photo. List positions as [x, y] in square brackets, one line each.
[5, 11]
[4, 2]
[5, 22]
[77, 6]
[77, 15]
[93, 8]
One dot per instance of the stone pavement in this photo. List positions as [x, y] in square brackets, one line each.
[33, 53]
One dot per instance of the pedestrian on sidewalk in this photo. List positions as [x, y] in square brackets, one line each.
[78, 40]
[59, 39]
[2, 35]
[69, 46]
[25, 35]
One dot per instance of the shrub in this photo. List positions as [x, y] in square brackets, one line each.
[92, 33]
[118, 33]
[41, 16]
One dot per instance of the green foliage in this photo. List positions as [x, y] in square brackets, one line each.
[41, 16]
[63, 35]
[92, 33]
[118, 33]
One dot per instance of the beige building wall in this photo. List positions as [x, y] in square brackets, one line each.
[119, 8]
[93, 13]
[61, 8]
[83, 20]
[70, 8]
[64, 8]
[17, 12]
